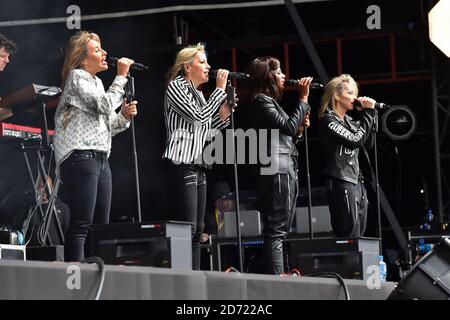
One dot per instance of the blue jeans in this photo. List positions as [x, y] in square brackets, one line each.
[87, 189]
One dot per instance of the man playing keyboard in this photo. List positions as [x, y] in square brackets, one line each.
[7, 48]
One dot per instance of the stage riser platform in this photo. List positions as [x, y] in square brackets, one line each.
[48, 280]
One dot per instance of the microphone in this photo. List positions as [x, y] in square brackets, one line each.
[231, 75]
[378, 105]
[134, 66]
[312, 85]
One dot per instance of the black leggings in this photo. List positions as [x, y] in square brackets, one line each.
[189, 200]
[348, 207]
[86, 189]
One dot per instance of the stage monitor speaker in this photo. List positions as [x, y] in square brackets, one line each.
[165, 244]
[429, 279]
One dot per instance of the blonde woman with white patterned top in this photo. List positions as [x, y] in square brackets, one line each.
[85, 121]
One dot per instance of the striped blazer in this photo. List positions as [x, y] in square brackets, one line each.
[189, 119]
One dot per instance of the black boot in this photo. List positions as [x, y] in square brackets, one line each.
[273, 252]
[196, 257]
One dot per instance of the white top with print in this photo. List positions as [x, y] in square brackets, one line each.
[86, 118]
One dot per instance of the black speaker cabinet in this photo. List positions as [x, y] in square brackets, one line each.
[429, 279]
[49, 253]
[350, 258]
[165, 244]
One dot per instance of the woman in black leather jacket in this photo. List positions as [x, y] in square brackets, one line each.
[276, 181]
[342, 137]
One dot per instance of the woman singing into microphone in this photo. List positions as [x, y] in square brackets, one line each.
[189, 118]
[342, 137]
[85, 122]
[277, 181]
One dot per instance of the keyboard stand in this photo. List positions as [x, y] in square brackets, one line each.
[42, 175]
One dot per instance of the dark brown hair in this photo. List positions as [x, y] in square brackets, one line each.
[9, 46]
[262, 72]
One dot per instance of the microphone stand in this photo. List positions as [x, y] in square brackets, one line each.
[230, 90]
[308, 182]
[377, 184]
[129, 93]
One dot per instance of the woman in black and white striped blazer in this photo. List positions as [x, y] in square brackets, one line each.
[190, 120]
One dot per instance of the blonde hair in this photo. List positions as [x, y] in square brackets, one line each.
[76, 52]
[184, 56]
[336, 85]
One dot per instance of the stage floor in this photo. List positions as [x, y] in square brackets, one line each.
[64, 281]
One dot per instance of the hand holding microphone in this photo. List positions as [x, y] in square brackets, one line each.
[313, 85]
[366, 102]
[221, 76]
[231, 75]
[124, 65]
[303, 85]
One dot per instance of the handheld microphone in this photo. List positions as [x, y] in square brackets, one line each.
[313, 85]
[134, 66]
[231, 75]
[378, 105]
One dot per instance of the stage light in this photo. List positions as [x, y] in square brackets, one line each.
[439, 26]
[399, 122]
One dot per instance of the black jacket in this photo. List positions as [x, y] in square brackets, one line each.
[341, 141]
[266, 113]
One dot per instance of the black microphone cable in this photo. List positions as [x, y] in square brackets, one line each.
[332, 275]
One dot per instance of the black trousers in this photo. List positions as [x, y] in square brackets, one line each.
[276, 200]
[188, 196]
[86, 189]
[348, 207]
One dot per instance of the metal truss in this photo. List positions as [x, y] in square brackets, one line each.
[440, 89]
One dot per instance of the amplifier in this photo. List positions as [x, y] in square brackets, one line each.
[350, 258]
[250, 224]
[320, 219]
[12, 252]
[49, 253]
[165, 244]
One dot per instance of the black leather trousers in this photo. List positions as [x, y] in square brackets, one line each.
[348, 207]
[276, 200]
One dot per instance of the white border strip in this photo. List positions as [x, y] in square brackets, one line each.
[151, 11]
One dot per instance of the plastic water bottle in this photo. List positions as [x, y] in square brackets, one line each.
[383, 269]
[430, 216]
[20, 238]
